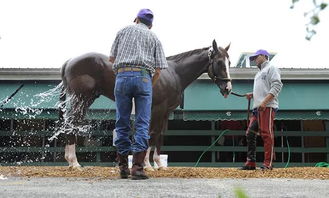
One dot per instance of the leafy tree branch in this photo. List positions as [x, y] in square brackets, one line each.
[313, 16]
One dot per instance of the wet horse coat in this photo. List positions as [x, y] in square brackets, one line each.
[91, 75]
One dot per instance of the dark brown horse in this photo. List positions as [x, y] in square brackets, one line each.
[87, 77]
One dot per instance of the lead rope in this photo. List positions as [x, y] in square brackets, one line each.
[248, 109]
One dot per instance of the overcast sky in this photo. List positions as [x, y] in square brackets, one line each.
[45, 33]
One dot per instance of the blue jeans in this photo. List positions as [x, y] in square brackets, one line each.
[129, 85]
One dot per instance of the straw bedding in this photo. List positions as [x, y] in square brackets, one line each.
[171, 172]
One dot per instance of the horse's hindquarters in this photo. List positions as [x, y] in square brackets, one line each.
[82, 84]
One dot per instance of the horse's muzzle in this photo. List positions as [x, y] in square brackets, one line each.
[226, 88]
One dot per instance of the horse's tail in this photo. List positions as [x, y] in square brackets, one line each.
[63, 72]
[62, 97]
[62, 106]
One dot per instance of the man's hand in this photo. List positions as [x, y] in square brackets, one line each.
[249, 96]
[262, 106]
[266, 100]
[156, 76]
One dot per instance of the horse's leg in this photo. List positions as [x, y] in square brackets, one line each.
[158, 121]
[77, 114]
[70, 152]
[158, 143]
[153, 125]
[69, 149]
[147, 164]
[71, 139]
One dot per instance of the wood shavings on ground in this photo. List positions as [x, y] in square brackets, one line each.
[171, 172]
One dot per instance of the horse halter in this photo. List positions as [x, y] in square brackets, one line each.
[211, 68]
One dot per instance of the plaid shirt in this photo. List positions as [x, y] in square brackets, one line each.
[137, 46]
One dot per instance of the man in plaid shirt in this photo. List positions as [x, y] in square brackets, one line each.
[137, 55]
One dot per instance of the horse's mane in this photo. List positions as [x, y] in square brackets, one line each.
[183, 55]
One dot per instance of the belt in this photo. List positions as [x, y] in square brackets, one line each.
[124, 69]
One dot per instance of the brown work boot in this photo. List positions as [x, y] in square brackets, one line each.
[137, 171]
[123, 166]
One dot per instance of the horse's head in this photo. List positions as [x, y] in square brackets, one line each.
[218, 69]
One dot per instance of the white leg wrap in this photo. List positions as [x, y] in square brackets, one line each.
[71, 157]
[147, 164]
[157, 161]
[67, 155]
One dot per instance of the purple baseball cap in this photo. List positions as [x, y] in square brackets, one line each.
[146, 16]
[259, 52]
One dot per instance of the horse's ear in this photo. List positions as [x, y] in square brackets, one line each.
[214, 46]
[228, 47]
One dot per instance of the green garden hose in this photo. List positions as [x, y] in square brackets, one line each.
[288, 147]
[225, 131]
[322, 164]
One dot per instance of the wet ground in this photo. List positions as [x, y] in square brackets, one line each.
[57, 187]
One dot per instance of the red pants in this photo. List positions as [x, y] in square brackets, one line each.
[261, 124]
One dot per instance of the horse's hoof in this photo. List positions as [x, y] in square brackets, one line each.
[148, 169]
[73, 168]
[162, 168]
[78, 168]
